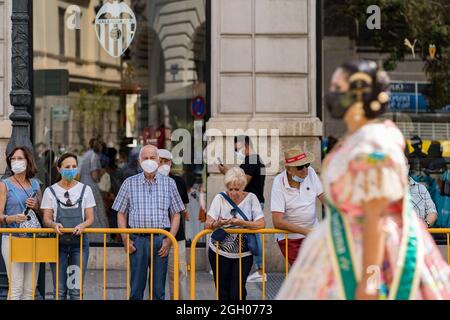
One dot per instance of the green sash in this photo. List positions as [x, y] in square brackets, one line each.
[406, 273]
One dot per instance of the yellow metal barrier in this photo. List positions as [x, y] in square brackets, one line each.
[203, 233]
[447, 232]
[36, 250]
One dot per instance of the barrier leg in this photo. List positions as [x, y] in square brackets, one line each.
[10, 266]
[287, 255]
[217, 270]
[263, 267]
[240, 267]
[33, 269]
[128, 267]
[104, 266]
[57, 269]
[151, 267]
[81, 267]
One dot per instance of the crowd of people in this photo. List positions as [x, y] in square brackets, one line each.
[371, 221]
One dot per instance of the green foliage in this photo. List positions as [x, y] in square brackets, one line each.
[90, 110]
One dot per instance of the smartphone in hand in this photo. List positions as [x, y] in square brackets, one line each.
[27, 210]
[219, 160]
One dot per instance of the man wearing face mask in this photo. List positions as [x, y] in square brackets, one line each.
[165, 157]
[293, 202]
[143, 203]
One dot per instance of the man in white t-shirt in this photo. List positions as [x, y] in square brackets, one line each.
[293, 202]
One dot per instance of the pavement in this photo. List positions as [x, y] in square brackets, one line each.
[205, 290]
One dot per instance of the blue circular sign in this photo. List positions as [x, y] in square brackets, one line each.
[198, 107]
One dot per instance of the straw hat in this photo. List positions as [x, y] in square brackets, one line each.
[297, 157]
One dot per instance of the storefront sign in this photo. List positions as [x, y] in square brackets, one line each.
[408, 97]
[115, 32]
[60, 113]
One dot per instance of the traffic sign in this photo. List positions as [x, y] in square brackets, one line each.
[198, 107]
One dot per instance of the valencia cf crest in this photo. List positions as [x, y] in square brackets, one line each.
[115, 26]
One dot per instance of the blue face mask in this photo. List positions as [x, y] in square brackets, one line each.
[69, 174]
[298, 179]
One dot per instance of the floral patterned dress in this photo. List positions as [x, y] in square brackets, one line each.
[367, 165]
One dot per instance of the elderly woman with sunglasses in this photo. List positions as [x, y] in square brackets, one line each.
[69, 204]
[221, 214]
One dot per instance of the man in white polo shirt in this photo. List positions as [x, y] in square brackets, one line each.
[293, 202]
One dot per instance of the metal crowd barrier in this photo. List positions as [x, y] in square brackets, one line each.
[447, 232]
[263, 232]
[45, 250]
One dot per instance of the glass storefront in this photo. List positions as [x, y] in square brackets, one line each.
[125, 73]
[410, 39]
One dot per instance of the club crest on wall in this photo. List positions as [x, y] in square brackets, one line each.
[115, 27]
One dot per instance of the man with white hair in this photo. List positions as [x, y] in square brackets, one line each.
[165, 157]
[144, 201]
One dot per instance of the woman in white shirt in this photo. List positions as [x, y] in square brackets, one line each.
[69, 204]
[222, 215]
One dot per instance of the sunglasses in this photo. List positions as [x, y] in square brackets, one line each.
[68, 202]
[304, 166]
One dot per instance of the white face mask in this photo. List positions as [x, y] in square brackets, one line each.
[240, 155]
[149, 166]
[18, 166]
[164, 170]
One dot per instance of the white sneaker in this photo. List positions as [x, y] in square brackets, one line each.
[256, 277]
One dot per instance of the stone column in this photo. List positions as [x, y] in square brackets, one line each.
[264, 77]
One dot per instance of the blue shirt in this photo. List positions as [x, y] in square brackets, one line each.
[16, 199]
[147, 203]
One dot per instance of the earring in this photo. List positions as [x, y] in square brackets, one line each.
[383, 97]
[375, 106]
[359, 113]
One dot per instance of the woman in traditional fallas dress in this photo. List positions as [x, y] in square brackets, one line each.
[371, 245]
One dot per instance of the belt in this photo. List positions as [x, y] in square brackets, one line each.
[149, 234]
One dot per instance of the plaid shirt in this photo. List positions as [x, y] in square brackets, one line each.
[148, 203]
[421, 199]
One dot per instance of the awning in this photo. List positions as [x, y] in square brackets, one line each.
[184, 93]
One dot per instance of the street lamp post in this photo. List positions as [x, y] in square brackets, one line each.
[22, 79]
[21, 94]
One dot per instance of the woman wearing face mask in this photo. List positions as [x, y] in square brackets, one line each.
[18, 192]
[69, 204]
[372, 245]
[221, 214]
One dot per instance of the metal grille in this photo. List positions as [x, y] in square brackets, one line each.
[427, 131]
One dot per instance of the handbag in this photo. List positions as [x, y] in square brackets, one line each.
[32, 221]
[219, 235]
[252, 243]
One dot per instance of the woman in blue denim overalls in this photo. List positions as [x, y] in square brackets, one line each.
[69, 204]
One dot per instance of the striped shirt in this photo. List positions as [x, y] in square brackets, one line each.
[147, 203]
[421, 199]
